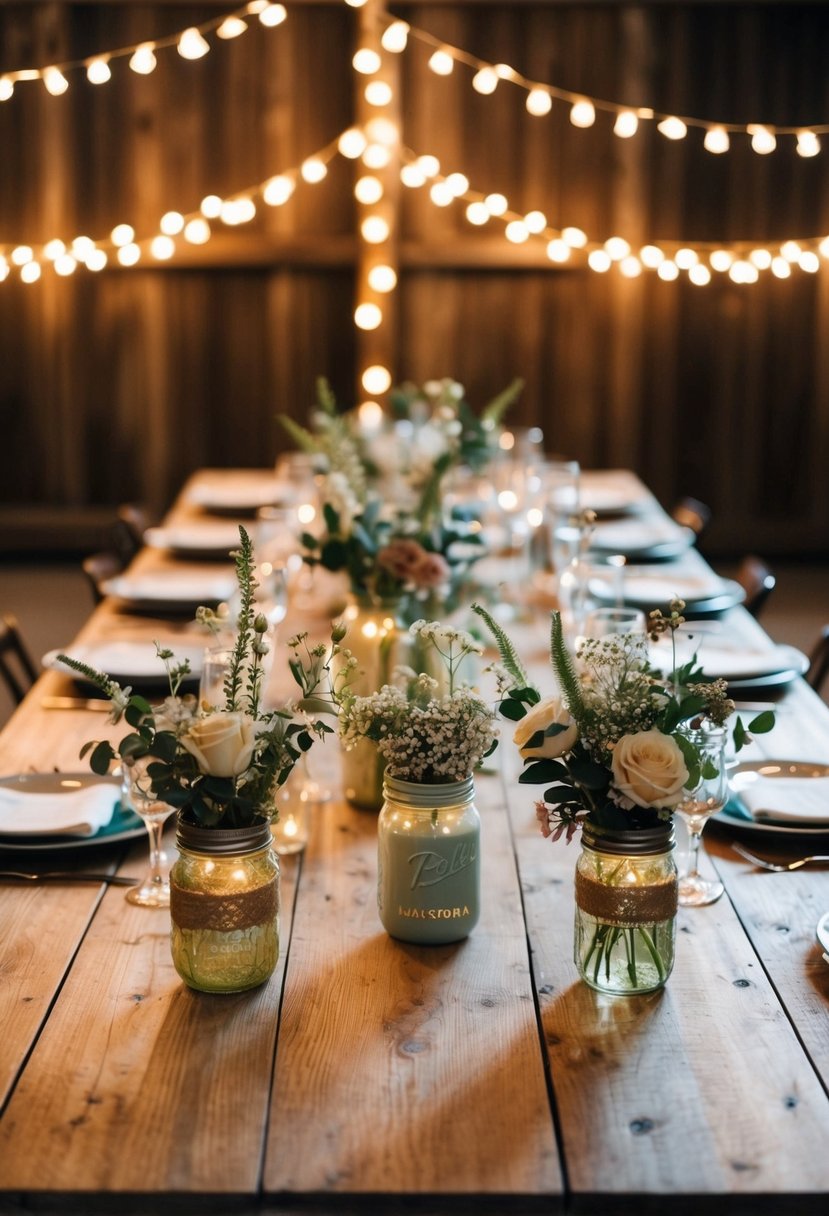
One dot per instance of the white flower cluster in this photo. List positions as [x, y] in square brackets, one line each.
[342, 497]
[445, 638]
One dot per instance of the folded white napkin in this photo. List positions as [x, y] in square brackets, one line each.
[788, 800]
[79, 813]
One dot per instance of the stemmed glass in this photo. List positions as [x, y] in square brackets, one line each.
[154, 889]
[698, 804]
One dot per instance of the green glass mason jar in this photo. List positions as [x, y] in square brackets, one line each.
[428, 850]
[626, 902]
[224, 907]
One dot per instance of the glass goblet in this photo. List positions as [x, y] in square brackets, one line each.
[154, 889]
[698, 804]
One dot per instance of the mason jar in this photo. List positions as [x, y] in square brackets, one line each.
[428, 861]
[626, 902]
[224, 907]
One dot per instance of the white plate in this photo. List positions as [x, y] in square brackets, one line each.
[134, 663]
[124, 825]
[234, 497]
[770, 768]
[611, 500]
[175, 590]
[200, 540]
[642, 539]
[741, 667]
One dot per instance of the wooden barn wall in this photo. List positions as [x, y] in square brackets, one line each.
[115, 386]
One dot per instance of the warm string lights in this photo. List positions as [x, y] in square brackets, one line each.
[123, 247]
[627, 120]
[190, 43]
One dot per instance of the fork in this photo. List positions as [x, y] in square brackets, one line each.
[774, 866]
[118, 880]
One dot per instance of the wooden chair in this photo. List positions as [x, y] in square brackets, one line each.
[693, 514]
[757, 581]
[16, 666]
[99, 567]
[128, 531]
[819, 661]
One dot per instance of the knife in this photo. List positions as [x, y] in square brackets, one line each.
[76, 703]
[115, 880]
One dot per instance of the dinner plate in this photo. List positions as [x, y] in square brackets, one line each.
[608, 501]
[740, 667]
[133, 663]
[236, 497]
[124, 825]
[703, 596]
[171, 591]
[733, 816]
[198, 540]
[642, 540]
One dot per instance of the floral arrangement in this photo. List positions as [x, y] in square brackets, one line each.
[221, 767]
[425, 733]
[614, 746]
[410, 551]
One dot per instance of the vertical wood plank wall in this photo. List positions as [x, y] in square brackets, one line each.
[115, 386]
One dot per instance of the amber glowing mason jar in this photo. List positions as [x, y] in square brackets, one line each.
[224, 907]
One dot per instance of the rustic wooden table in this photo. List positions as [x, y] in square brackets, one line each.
[369, 1075]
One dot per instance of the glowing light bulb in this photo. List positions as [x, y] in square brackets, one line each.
[366, 61]
[378, 93]
[4, 269]
[277, 190]
[412, 176]
[97, 260]
[599, 261]
[809, 261]
[630, 267]
[558, 250]
[616, 248]
[82, 246]
[672, 128]
[22, 254]
[231, 27]
[428, 165]
[791, 251]
[368, 316]
[237, 211]
[761, 258]
[30, 273]
[539, 102]
[53, 249]
[763, 140]
[352, 143]
[441, 63]
[458, 183]
[716, 140]
[171, 223]
[535, 222]
[162, 247]
[721, 259]
[699, 275]
[686, 258]
[197, 231]
[382, 131]
[6, 88]
[780, 268]
[376, 156]
[273, 15]
[55, 81]
[313, 169]
[808, 144]
[98, 71]
[191, 44]
[582, 113]
[485, 81]
[122, 234]
[370, 414]
[496, 204]
[651, 256]
[574, 237]
[395, 37]
[441, 194]
[477, 213]
[382, 279]
[143, 60]
[626, 124]
[668, 271]
[517, 232]
[376, 379]
[128, 255]
[368, 190]
[65, 265]
[743, 272]
[374, 229]
[824, 247]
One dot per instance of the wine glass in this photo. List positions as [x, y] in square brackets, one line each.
[698, 804]
[215, 667]
[154, 889]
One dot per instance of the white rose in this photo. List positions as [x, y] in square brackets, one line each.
[542, 715]
[222, 743]
[649, 768]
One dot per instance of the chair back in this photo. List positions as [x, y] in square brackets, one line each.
[99, 567]
[758, 582]
[16, 666]
[128, 531]
[693, 514]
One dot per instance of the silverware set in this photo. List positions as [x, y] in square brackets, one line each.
[776, 867]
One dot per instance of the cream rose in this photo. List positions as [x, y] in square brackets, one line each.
[649, 768]
[542, 715]
[222, 743]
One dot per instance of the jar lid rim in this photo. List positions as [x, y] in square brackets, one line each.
[226, 842]
[429, 794]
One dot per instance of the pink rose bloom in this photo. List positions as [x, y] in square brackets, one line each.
[431, 572]
[401, 557]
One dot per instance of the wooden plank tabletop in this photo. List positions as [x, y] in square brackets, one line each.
[370, 1075]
